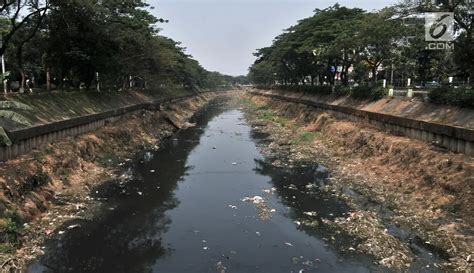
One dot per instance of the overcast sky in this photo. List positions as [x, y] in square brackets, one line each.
[223, 34]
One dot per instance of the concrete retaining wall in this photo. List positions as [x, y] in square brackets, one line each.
[25, 140]
[455, 139]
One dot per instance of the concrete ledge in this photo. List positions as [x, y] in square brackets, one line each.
[455, 139]
[25, 140]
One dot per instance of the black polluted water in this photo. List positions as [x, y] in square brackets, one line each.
[209, 201]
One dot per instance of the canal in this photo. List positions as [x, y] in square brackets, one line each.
[208, 201]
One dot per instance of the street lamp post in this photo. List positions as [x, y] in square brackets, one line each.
[3, 67]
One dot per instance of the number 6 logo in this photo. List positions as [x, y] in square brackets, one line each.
[439, 27]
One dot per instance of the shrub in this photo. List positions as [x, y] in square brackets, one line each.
[462, 96]
[365, 92]
[342, 91]
[10, 227]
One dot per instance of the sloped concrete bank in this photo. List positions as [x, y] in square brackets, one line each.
[407, 197]
[453, 138]
[51, 185]
[26, 139]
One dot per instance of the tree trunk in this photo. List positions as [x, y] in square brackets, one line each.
[48, 79]
[23, 80]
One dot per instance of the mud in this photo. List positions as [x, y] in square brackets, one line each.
[408, 198]
[51, 185]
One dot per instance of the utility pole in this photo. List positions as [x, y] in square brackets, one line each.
[391, 76]
[3, 67]
[98, 82]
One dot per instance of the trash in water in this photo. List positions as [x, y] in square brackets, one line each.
[61, 232]
[232, 207]
[140, 193]
[220, 267]
[289, 244]
[205, 248]
[311, 213]
[204, 241]
[256, 199]
[234, 163]
[258, 233]
[298, 223]
[74, 226]
[152, 171]
[214, 147]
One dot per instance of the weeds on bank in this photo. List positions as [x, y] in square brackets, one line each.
[108, 159]
[10, 228]
[305, 137]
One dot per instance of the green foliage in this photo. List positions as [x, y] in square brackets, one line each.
[267, 115]
[365, 92]
[10, 227]
[4, 139]
[365, 46]
[462, 96]
[118, 39]
[6, 111]
[336, 36]
[306, 137]
[342, 91]
[311, 89]
[5, 104]
[14, 116]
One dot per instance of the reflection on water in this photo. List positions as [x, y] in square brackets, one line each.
[182, 211]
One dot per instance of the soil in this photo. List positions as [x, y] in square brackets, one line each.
[51, 185]
[392, 183]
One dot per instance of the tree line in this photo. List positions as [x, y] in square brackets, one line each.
[94, 44]
[345, 46]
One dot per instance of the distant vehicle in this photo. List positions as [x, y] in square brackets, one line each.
[432, 84]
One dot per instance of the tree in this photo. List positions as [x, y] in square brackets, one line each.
[19, 13]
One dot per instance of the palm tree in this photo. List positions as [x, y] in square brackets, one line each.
[7, 111]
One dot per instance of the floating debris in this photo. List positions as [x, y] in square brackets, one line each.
[311, 213]
[263, 211]
[256, 199]
[74, 226]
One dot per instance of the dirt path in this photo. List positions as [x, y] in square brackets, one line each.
[408, 198]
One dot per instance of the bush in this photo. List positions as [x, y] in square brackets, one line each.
[342, 91]
[360, 92]
[365, 92]
[10, 227]
[462, 96]
[313, 89]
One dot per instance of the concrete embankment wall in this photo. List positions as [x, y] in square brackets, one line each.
[25, 140]
[455, 139]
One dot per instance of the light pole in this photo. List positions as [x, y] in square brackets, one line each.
[3, 67]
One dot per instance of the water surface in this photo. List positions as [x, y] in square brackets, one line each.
[183, 211]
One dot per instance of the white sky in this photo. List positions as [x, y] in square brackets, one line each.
[223, 34]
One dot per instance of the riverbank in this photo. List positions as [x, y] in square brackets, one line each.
[51, 185]
[403, 107]
[407, 198]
